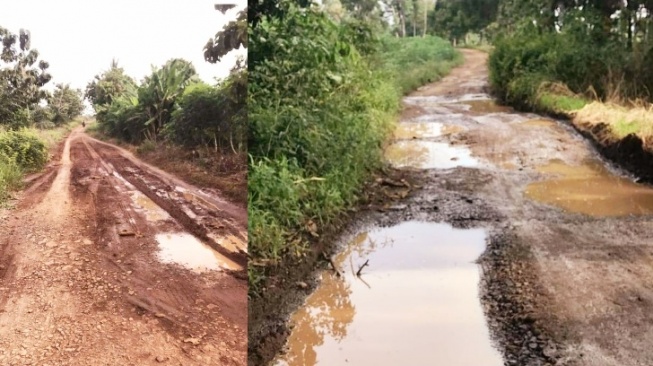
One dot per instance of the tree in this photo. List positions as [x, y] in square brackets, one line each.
[231, 37]
[108, 86]
[65, 103]
[21, 77]
[159, 92]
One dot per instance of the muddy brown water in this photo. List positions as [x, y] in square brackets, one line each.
[590, 189]
[416, 303]
[428, 155]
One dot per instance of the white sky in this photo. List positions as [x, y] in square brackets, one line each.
[80, 38]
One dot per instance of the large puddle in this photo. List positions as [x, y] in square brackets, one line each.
[187, 251]
[428, 155]
[590, 189]
[416, 303]
[424, 130]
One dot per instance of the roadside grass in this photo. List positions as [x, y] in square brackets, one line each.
[11, 178]
[26, 151]
[53, 136]
[622, 120]
[319, 114]
[560, 103]
[418, 61]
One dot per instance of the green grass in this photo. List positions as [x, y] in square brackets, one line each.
[418, 61]
[11, 176]
[623, 128]
[560, 103]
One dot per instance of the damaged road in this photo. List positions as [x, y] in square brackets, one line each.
[107, 260]
[565, 277]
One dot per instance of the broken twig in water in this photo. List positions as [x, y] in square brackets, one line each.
[358, 274]
[363, 281]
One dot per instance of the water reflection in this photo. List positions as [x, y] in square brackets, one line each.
[590, 189]
[415, 304]
[428, 155]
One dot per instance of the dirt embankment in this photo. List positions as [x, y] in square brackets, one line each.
[629, 152]
[83, 278]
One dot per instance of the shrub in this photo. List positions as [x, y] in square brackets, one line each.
[319, 109]
[24, 148]
[10, 177]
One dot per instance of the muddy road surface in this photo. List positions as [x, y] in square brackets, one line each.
[519, 245]
[108, 261]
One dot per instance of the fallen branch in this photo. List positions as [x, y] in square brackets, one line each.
[358, 274]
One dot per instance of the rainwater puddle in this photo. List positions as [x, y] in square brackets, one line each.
[590, 189]
[187, 251]
[538, 123]
[417, 303]
[415, 130]
[428, 155]
[143, 204]
[485, 106]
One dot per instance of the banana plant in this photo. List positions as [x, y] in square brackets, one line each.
[159, 92]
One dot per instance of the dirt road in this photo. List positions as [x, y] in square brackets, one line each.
[567, 271]
[572, 251]
[109, 261]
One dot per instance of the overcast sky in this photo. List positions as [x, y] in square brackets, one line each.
[80, 38]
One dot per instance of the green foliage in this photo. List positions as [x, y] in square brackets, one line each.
[560, 103]
[210, 116]
[454, 19]
[107, 86]
[157, 95]
[41, 114]
[24, 148]
[21, 77]
[417, 61]
[64, 104]
[322, 97]
[10, 177]
[231, 37]
[520, 63]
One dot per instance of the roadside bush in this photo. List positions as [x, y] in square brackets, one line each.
[322, 98]
[23, 148]
[207, 116]
[520, 63]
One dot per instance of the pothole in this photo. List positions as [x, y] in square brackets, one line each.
[146, 206]
[429, 155]
[187, 251]
[416, 303]
[590, 189]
